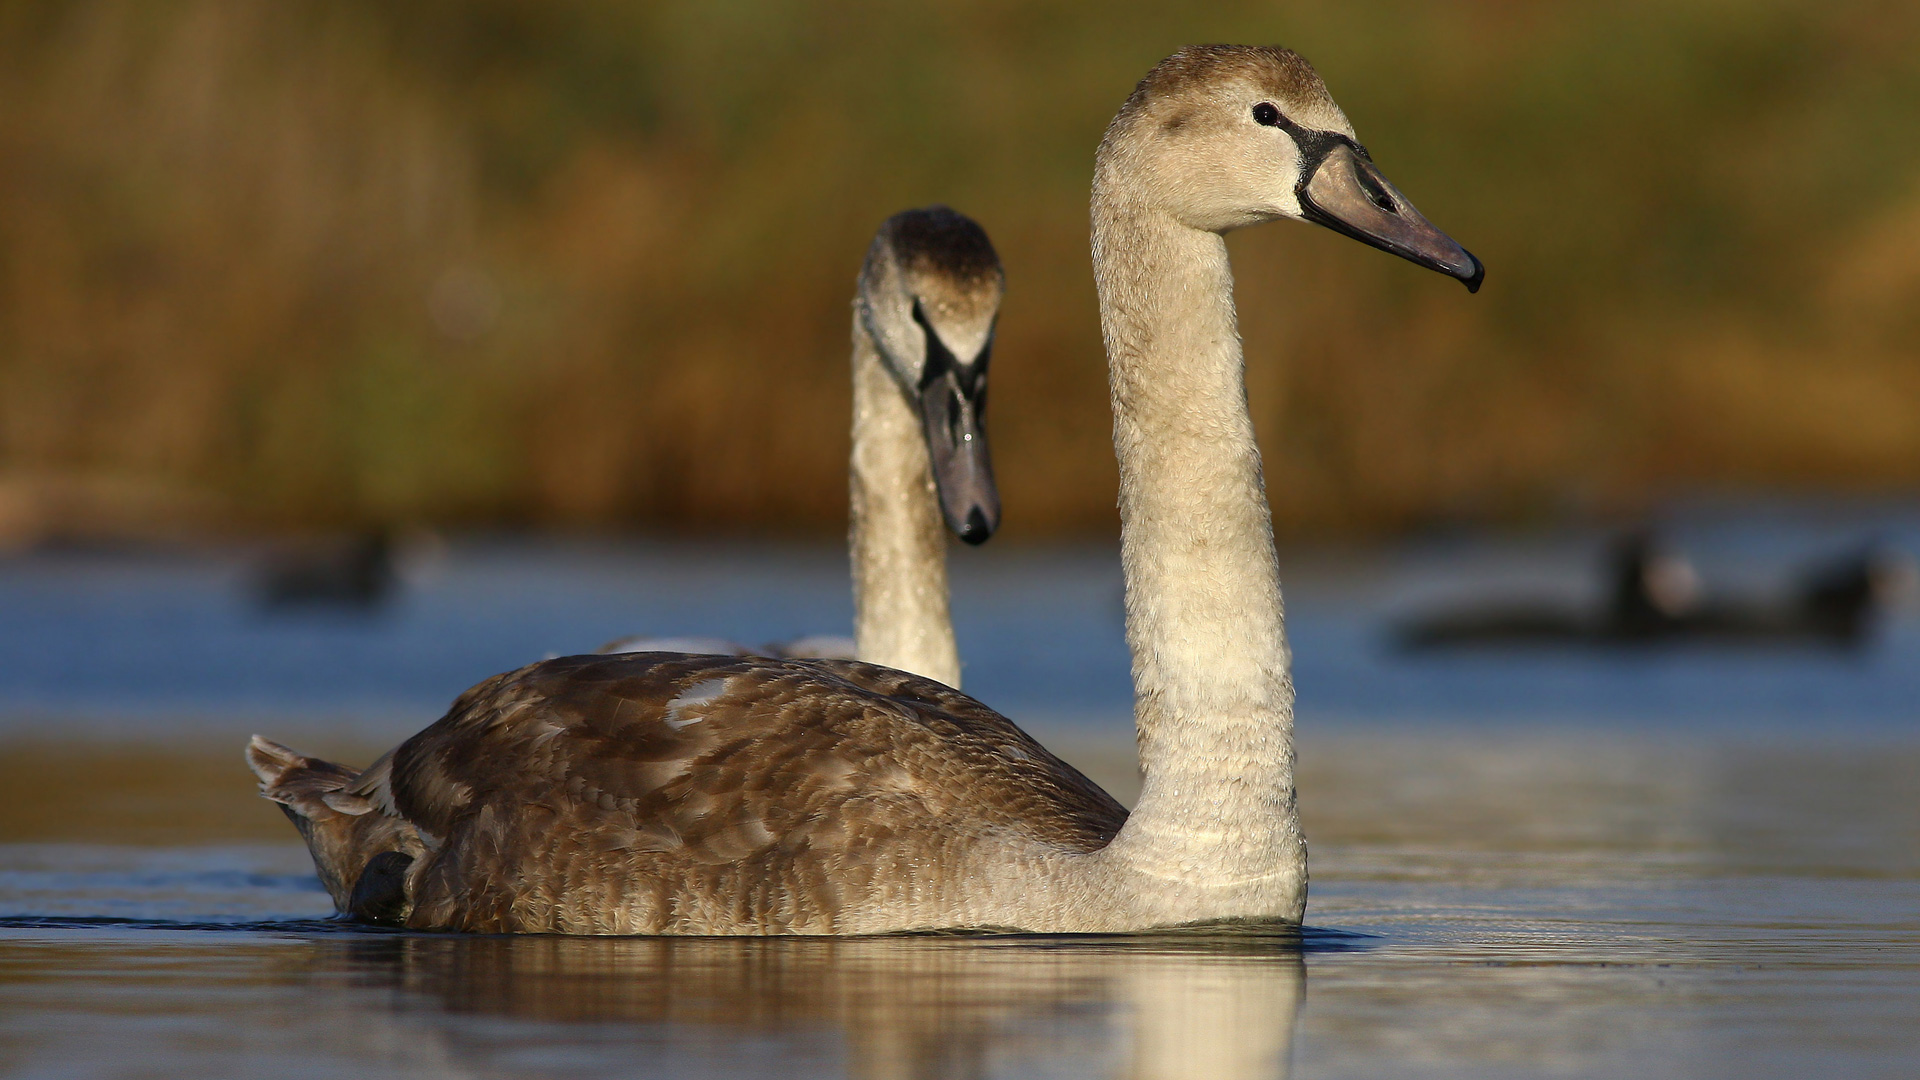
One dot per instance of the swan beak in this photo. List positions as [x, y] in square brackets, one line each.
[953, 411]
[1348, 195]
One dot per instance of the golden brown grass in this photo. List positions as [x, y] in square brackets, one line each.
[571, 263]
[132, 793]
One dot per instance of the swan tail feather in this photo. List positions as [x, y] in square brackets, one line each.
[361, 856]
[301, 784]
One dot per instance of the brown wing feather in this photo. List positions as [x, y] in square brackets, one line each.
[658, 792]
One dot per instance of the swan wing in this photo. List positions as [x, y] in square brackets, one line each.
[651, 792]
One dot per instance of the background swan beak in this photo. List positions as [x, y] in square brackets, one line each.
[1348, 195]
[953, 413]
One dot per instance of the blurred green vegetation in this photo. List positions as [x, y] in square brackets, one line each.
[568, 263]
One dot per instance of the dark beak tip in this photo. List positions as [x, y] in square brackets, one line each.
[977, 529]
[1472, 281]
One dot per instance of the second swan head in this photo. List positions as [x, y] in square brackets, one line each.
[929, 294]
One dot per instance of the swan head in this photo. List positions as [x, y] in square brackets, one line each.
[1222, 136]
[929, 294]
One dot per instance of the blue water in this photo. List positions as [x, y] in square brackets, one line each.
[108, 637]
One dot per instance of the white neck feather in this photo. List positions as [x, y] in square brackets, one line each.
[1213, 699]
[900, 617]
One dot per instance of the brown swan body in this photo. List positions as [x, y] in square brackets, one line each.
[664, 793]
[655, 793]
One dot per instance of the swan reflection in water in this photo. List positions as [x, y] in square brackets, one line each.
[1215, 1006]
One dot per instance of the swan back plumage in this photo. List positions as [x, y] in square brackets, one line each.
[663, 793]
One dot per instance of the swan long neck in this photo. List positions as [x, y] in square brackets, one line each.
[1213, 697]
[901, 619]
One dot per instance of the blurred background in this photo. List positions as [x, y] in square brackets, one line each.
[507, 263]
[352, 352]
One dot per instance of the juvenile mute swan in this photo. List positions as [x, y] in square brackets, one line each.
[661, 793]
[923, 318]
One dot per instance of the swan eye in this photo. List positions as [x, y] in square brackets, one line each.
[1266, 114]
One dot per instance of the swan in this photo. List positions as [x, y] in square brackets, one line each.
[928, 296]
[659, 793]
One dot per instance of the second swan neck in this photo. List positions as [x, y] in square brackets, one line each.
[898, 541]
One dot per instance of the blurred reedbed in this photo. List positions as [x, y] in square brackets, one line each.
[585, 264]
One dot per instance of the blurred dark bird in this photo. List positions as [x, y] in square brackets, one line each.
[353, 573]
[1653, 595]
[1651, 591]
[1834, 602]
[923, 320]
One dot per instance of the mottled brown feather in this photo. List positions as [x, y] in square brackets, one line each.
[662, 792]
